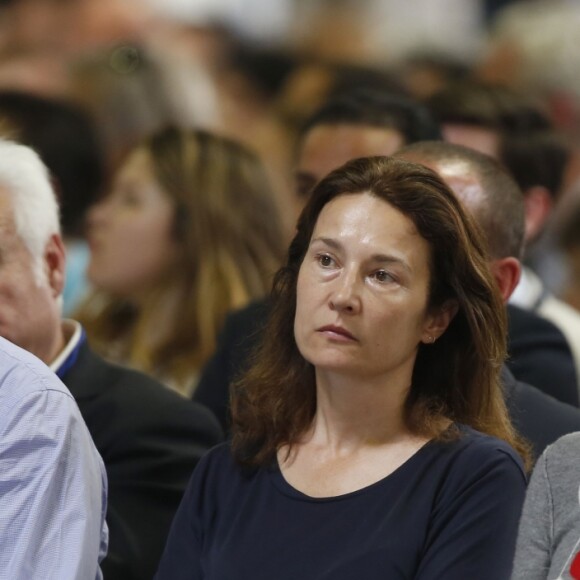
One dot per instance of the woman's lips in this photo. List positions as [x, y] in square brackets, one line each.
[337, 333]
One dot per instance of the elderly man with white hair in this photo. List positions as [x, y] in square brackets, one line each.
[150, 438]
[52, 481]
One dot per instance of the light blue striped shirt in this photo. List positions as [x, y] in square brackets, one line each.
[53, 485]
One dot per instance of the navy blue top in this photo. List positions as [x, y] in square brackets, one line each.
[450, 512]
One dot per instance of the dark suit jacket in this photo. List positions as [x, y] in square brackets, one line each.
[150, 440]
[541, 419]
[539, 354]
[240, 336]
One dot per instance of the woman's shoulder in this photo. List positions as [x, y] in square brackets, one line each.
[477, 452]
[219, 481]
[220, 465]
[218, 457]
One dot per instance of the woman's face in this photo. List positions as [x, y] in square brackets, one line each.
[362, 291]
[130, 232]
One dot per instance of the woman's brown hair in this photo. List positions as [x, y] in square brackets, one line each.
[455, 379]
[230, 238]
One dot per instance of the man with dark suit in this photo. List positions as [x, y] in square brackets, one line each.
[149, 437]
[496, 203]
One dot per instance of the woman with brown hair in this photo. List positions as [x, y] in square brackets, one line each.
[189, 232]
[370, 436]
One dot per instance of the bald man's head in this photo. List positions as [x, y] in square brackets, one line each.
[484, 187]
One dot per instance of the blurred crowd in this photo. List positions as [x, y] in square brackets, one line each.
[171, 130]
[86, 82]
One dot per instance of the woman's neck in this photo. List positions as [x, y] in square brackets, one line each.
[353, 413]
[358, 437]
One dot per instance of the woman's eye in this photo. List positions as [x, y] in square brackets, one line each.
[325, 261]
[383, 276]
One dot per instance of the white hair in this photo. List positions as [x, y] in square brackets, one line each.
[36, 214]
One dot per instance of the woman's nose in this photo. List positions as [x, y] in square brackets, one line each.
[346, 295]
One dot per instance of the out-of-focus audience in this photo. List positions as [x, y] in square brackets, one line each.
[481, 184]
[187, 226]
[509, 126]
[533, 47]
[150, 439]
[189, 232]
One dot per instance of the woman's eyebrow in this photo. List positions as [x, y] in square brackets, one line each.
[389, 259]
[329, 242]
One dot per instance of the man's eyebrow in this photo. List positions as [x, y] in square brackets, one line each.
[379, 258]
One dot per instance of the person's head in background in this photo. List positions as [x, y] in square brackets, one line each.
[72, 27]
[188, 232]
[314, 81]
[307, 87]
[65, 138]
[489, 194]
[357, 123]
[533, 47]
[33, 257]
[424, 73]
[515, 130]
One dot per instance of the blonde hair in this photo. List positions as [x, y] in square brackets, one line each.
[228, 228]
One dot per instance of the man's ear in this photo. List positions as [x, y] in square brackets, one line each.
[439, 321]
[506, 272]
[55, 264]
[538, 204]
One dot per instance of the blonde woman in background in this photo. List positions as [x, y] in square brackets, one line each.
[189, 232]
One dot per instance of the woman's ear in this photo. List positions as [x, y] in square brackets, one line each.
[439, 320]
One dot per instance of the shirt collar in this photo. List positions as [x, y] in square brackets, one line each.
[529, 293]
[68, 354]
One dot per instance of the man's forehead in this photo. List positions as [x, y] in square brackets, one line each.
[326, 147]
